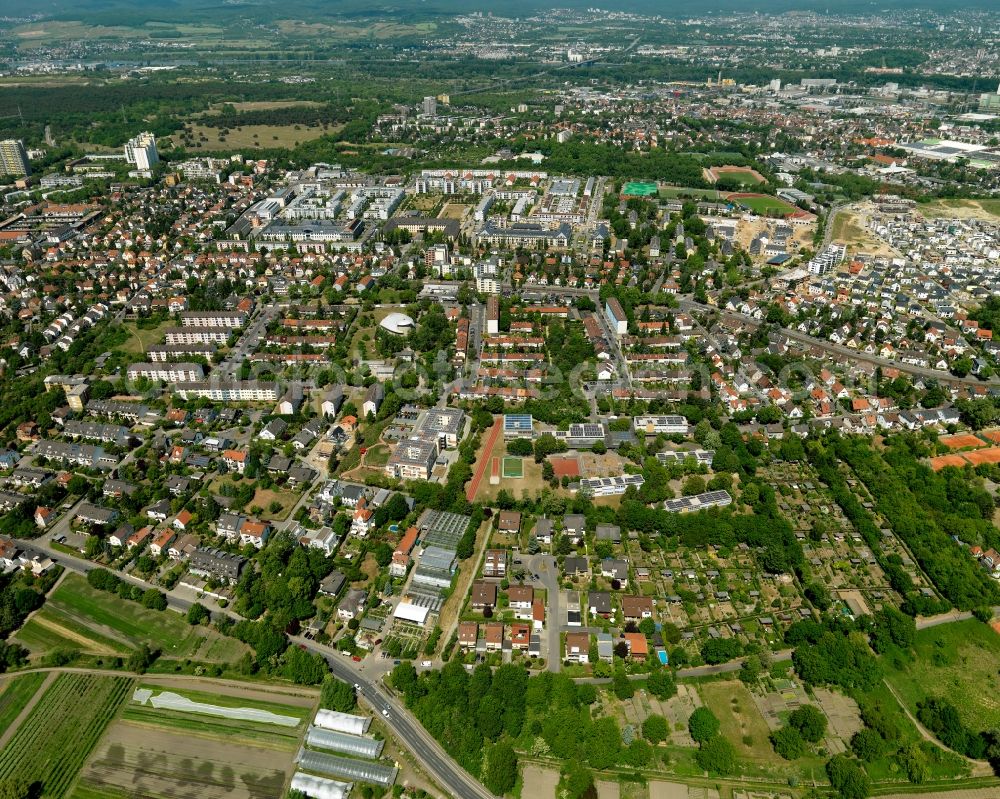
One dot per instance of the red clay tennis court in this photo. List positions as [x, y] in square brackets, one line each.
[961, 441]
[991, 455]
[565, 467]
[941, 461]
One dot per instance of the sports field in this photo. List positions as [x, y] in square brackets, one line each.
[639, 188]
[513, 468]
[764, 204]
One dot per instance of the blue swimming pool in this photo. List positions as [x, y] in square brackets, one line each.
[662, 655]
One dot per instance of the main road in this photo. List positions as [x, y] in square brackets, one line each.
[439, 765]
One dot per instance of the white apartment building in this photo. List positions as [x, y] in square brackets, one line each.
[168, 372]
[196, 335]
[213, 318]
[234, 391]
[141, 151]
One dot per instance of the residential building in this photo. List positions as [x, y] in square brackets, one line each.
[14, 159]
[577, 647]
[413, 459]
[616, 316]
[216, 564]
[141, 151]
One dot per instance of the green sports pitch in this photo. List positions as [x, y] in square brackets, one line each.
[640, 188]
[513, 468]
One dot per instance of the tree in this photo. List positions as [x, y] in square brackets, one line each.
[500, 772]
[15, 788]
[621, 684]
[717, 755]
[141, 659]
[338, 695]
[661, 684]
[655, 728]
[810, 723]
[867, 745]
[788, 743]
[154, 600]
[304, 668]
[578, 782]
[197, 613]
[521, 447]
[847, 777]
[702, 724]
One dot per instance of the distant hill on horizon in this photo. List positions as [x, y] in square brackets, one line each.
[111, 12]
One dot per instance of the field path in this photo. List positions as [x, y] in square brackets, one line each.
[9, 732]
[484, 462]
[980, 768]
[85, 644]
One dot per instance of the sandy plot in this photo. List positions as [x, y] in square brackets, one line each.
[667, 790]
[150, 762]
[540, 783]
[608, 790]
[842, 711]
[85, 643]
[961, 441]
[991, 435]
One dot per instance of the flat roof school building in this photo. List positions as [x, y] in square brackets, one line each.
[517, 425]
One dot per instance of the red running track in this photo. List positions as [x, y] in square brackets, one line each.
[485, 460]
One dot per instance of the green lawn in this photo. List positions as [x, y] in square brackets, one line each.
[16, 693]
[960, 663]
[740, 720]
[140, 339]
[76, 611]
[765, 205]
[52, 744]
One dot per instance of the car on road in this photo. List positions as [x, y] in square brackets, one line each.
[425, 663]
[385, 712]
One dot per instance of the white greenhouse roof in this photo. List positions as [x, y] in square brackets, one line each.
[320, 787]
[342, 722]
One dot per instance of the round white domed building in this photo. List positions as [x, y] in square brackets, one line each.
[398, 323]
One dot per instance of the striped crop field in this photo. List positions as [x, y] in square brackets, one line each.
[52, 744]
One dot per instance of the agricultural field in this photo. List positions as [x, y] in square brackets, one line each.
[54, 741]
[959, 662]
[79, 617]
[210, 756]
[15, 694]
